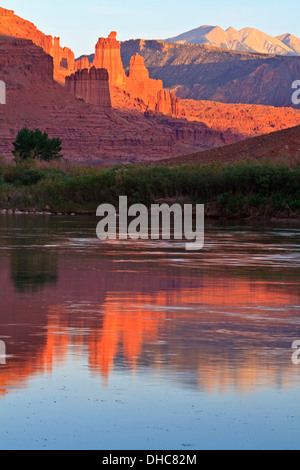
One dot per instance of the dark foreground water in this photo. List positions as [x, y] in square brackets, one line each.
[141, 345]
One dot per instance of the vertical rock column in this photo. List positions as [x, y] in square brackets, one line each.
[108, 56]
[91, 86]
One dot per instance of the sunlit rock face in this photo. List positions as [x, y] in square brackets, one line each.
[108, 56]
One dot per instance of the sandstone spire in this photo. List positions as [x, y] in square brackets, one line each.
[108, 56]
[138, 70]
[138, 88]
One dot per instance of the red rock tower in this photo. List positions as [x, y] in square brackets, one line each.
[91, 86]
[108, 56]
[138, 70]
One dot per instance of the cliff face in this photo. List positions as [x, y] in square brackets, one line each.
[108, 56]
[63, 58]
[82, 63]
[91, 86]
[140, 86]
[143, 92]
[210, 73]
[22, 62]
[88, 134]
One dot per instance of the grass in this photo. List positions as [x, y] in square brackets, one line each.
[240, 189]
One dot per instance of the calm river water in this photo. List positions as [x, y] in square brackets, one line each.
[142, 345]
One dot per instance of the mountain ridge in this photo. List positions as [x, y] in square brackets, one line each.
[246, 40]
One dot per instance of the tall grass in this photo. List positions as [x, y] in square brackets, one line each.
[68, 188]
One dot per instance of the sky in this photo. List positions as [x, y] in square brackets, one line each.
[80, 23]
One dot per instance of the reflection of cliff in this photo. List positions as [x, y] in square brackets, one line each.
[30, 270]
[32, 265]
[221, 320]
[214, 333]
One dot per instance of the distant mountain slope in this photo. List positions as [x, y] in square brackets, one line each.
[247, 40]
[215, 74]
[291, 41]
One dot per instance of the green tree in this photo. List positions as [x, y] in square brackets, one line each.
[36, 145]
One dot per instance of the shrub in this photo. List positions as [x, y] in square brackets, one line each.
[36, 145]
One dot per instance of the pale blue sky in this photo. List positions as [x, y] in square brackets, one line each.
[81, 23]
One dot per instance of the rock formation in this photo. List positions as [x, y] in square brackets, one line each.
[108, 56]
[14, 26]
[140, 86]
[82, 63]
[89, 135]
[167, 102]
[146, 93]
[91, 85]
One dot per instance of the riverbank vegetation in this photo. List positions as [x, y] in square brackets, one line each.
[244, 189]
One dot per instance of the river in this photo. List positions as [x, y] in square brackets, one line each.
[142, 345]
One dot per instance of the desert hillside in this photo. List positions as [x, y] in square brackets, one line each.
[283, 145]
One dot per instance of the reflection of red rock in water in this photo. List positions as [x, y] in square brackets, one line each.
[200, 334]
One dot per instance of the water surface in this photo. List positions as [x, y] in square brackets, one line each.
[142, 345]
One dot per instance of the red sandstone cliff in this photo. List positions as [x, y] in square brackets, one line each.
[108, 56]
[88, 134]
[143, 92]
[91, 86]
[36, 101]
[14, 26]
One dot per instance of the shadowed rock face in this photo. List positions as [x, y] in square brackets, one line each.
[91, 86]
[284, 144]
